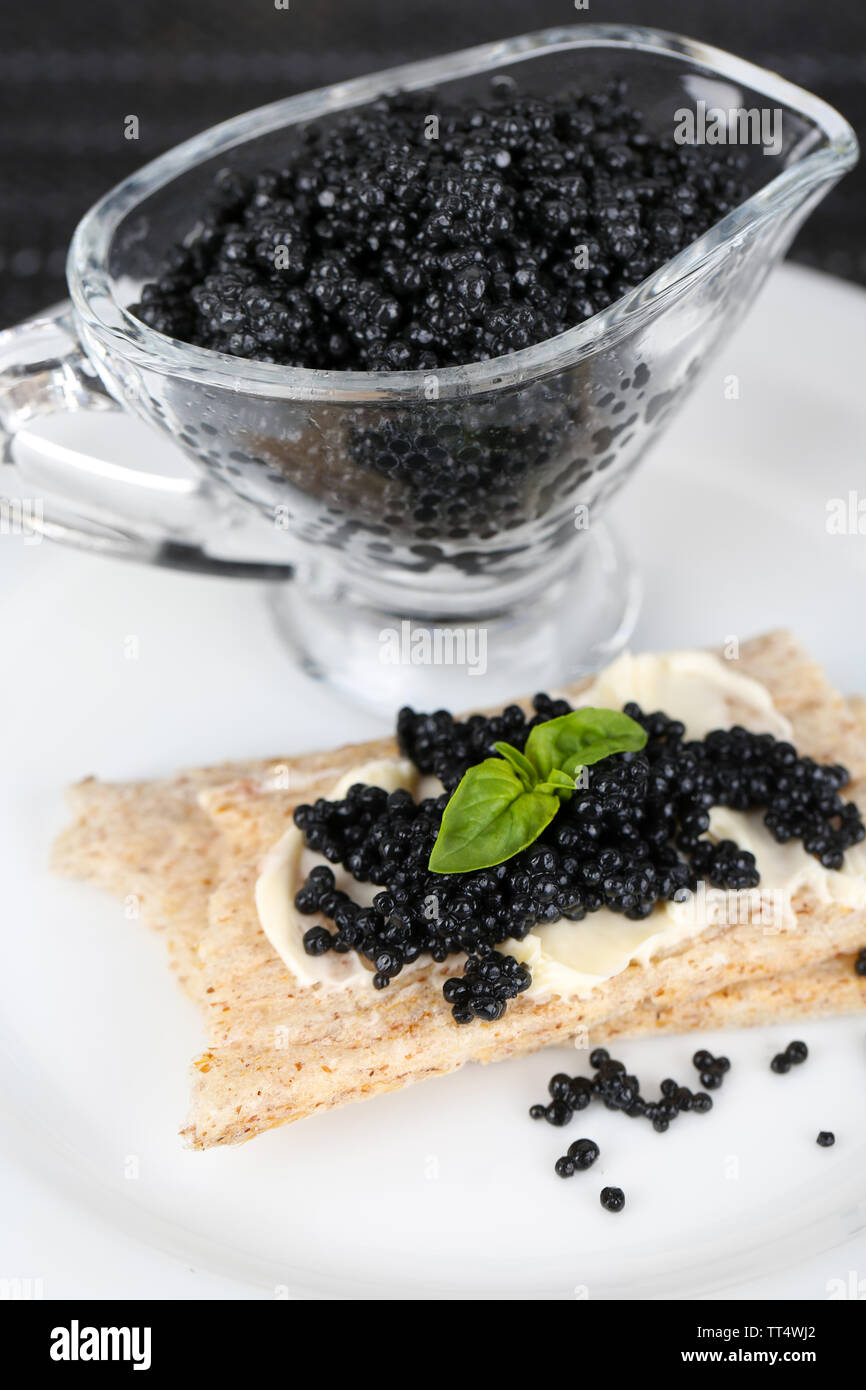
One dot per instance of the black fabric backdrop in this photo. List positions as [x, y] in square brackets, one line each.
[70, 73]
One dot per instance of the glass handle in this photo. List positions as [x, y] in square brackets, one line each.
[78, 468]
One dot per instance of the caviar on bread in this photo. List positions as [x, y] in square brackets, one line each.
[631, 838]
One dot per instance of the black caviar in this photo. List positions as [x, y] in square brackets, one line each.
[617, 1089]
[373, 246]
[712, 1069]
[629, 840]
[860, 962]
[612, 1198]
[826, 1139]
[794, 1055]
[583, 1153]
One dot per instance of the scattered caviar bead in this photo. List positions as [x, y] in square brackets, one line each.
[559, 1086]
[579, 1097]
[826, 1138]
[780, 1063]
[722, 1064]
[703, 1060]
[599, 1057]
[860, 963]
[557, 1113]
[796, 1052]
[711, 1080]
[583, 1153]
[614, 1086]
[618, 1089]
[564, 1167]
[612, 1198]
[538, 1112]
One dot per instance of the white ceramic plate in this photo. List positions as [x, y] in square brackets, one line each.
[446, 1188]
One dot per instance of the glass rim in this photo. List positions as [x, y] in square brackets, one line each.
[100, 311]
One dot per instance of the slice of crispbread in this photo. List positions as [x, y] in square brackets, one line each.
[818, 991]
[153, 843]
[278, 1051]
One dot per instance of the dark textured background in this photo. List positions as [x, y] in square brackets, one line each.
[69, 73]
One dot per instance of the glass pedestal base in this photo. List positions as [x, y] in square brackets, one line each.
[383, 659]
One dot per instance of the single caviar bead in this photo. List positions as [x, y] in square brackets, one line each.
[780, 1063]
[796, 1052]
[317, 941]
[564, 1167]
[559, 1086]
[612, 1198]
[537, 1112]
[703, 1060]
[860, 962]
[599, 1057]
[826, 1138]
[583, 1153]
[579, 1097]
[701, 1102]
[557, 1113]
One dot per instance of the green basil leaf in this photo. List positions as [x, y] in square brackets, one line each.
[582, 737]
[490, 817]
[559, 783]
[562, 779]
[522, 766]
